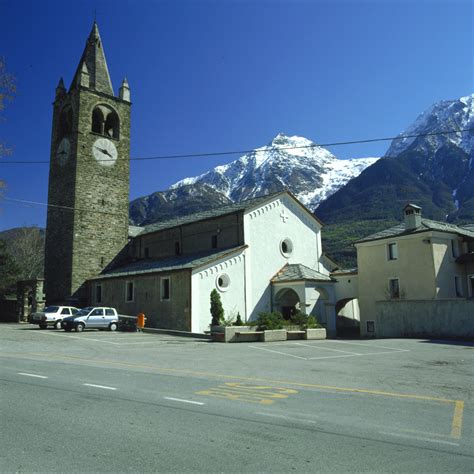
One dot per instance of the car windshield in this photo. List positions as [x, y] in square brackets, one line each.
[84, 311]
[51, 309]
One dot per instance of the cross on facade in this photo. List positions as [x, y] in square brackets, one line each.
[283, 216]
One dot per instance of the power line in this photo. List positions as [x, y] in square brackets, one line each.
[220, 227]
[59, 207]
[265, 149]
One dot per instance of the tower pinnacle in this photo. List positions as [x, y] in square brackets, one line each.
[93, 58]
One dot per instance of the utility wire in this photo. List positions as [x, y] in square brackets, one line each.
[195, 155]
[265, 149]
[61, 208]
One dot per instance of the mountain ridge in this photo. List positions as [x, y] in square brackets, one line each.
[311, 172]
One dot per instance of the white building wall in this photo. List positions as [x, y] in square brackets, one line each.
[265, 229]
[347, 286]
[204, 280]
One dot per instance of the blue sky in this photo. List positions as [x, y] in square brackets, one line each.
[210, 76]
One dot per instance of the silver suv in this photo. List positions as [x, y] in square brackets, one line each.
[92, 318]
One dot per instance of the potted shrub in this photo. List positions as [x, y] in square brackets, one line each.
[314, 330]
[272, 326]
[217, 313]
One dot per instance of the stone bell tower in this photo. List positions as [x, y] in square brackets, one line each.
[89, 174]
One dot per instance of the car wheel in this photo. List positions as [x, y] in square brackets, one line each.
[79, 327]
[113, 327]
[43, 326]
[57, 325]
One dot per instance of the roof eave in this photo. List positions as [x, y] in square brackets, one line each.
[221, 256]
[289, 193]
[302, 280]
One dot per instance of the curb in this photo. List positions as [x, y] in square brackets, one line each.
[177, 333]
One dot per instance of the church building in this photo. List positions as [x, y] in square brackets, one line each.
[263, 254]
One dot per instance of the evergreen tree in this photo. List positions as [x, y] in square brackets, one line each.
[217, 311]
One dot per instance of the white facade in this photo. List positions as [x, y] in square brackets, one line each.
[205, 279]
[279, 232]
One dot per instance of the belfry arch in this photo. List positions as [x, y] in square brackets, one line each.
[105, 121]
[65, 121]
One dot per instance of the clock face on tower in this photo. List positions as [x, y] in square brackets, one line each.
[63, 151]
[104, 151]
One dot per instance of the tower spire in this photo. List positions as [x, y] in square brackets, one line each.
[93, 58]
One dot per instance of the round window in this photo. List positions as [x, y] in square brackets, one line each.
[286, 247]
[223, 282]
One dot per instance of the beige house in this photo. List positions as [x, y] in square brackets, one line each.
[417, 279]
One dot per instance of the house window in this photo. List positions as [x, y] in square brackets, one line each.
[455, 248]
[394, 288]
[98, 293]
[165, 289]
[214, 241]
[370, 326]
[129, 291]
[471, 285]
[392, 251]
[146, 252]
[177, 248]
[458, 286]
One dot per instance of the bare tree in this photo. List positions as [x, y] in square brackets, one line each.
[26, 253]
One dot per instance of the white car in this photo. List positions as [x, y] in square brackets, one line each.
[52, 316]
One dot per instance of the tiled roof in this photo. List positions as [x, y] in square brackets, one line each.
[296, 272]
[180, 262]
[426, 225]
[209, 214]
[134, 230]
[345, 271]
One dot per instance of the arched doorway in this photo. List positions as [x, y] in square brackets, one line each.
[286, 300]
[347, 318]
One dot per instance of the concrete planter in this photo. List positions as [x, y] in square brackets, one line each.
[250, 334]
[295, 334]
[274, 335]
[235, 333]
[318, 333]
[217, 333]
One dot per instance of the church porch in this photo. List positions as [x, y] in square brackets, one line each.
[297, 287]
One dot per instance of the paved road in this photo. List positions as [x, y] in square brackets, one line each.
[101, 401]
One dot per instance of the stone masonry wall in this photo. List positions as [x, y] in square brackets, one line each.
[80, 244]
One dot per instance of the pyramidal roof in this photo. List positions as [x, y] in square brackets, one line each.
[93, 63]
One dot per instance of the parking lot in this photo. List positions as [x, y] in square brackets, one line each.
[408, 400]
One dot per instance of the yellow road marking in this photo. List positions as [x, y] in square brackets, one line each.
[262, 394]
[456, 424]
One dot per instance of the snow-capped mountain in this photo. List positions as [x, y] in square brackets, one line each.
[446, 115]
[433, 169]
[311, 172]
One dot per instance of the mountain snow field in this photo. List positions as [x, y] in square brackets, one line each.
[311, 172]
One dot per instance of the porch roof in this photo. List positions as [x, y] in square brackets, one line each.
[299, 272]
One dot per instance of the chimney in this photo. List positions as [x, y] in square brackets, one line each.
[412, 216]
